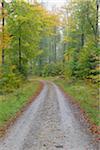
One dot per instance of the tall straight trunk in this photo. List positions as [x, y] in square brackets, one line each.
[55, 50]
[64, 49]
[20, 55]
[3, 23]
[95, 27]
[31, 66]
[52, 48]
[97, 21]
[82, 39]
[49, 47]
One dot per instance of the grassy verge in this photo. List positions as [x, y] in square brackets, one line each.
[86, 95]
[14, 102]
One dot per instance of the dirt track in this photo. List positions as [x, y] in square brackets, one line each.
[48, 124]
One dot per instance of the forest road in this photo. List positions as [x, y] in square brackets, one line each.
[48, 124]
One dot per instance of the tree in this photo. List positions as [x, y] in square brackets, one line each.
[4, 35]
[81, 37]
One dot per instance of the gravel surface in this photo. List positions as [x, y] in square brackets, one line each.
[48, 124]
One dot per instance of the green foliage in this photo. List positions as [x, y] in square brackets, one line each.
[9, 79]
[81, 38]
[28, 26]
[53, 69]
[88, 61]
[25, 34]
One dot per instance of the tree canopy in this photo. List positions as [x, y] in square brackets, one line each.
[37, 41]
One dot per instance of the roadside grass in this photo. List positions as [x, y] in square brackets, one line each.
[12, 103]
[86, 95]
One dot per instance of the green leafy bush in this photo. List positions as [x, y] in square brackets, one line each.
[52, 69]
[88, 62]
[9, 79]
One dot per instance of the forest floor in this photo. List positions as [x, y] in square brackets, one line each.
[49, 123]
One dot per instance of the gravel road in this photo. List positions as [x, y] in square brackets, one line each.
[48, 124]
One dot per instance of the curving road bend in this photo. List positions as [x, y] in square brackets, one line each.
[48, 124]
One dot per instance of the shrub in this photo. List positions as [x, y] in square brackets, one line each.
[9, 79]
[52, 69]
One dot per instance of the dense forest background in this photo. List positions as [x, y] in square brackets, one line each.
[35, 41]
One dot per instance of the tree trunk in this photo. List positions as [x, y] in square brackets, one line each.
[95, 28]
[97, 18]
[20, 57]
[82, 39]
[3, 23]
[55, 50]
[64, 49]
[49, 49]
